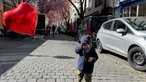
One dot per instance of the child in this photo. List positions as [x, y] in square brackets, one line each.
[87, 58]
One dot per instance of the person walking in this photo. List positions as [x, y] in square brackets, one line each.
[48, 29]
[87, 58]
[58, 30]
[53, 29]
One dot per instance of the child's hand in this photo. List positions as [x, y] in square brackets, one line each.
[90, 59]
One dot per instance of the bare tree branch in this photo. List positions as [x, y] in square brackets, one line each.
[48, 10]
[74, 7]
[81, 10]
[85, 5]
[42, 5]
[14, 3]
[81, 6]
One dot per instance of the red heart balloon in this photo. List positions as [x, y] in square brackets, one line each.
[22, 19]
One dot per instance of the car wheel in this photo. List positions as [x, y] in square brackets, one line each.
[136, 58]
[99, 46]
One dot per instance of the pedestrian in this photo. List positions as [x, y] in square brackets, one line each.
[58, 30]
[87, 58]
[53, 30]
[49, 29]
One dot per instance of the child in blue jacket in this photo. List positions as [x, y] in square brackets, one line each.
[87, 58]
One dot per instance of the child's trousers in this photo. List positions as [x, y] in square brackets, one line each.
[87, 76]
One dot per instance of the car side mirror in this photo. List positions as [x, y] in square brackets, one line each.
[122, 31]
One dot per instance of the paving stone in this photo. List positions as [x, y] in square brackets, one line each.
[22, 80]
[3, 81]
[51, 80]
[32, 80]
[41, 80]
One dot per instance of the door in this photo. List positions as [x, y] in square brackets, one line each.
[119, 41]
[105, 34]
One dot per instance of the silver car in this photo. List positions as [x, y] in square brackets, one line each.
[127, 37]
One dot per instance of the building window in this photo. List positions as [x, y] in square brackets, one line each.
[127, 12]
[116, 3]
[133, 10]
[142, 9]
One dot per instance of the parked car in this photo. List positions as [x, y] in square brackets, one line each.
[91, 24]
[126, 37]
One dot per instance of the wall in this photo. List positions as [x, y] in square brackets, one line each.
[1, 13]
[91, 7]
[97, 6]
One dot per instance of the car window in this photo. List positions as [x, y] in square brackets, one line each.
[137, 23]
[108, 25]
[118, 24]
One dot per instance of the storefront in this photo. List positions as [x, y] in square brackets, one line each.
[131, 8]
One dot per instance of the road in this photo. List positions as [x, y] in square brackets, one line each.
[52, 59]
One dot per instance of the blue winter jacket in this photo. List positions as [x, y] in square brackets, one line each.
[83, 64]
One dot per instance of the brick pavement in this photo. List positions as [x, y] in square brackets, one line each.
[14, 50]
[55, 61]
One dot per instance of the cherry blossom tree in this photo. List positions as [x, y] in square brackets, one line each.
[55, 9]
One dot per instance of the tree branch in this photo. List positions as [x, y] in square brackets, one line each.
[85, 5]
[14, 3]
[48, 10]
[41, 4]
[74, 6]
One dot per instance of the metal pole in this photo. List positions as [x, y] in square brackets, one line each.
[137, 10]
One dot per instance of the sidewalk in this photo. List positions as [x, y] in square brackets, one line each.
[55, 61]
[14, 50]
[40, 63]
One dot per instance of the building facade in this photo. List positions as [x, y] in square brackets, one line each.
[98, 7]
[130, 8]
[94, 7]
[1, 13]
